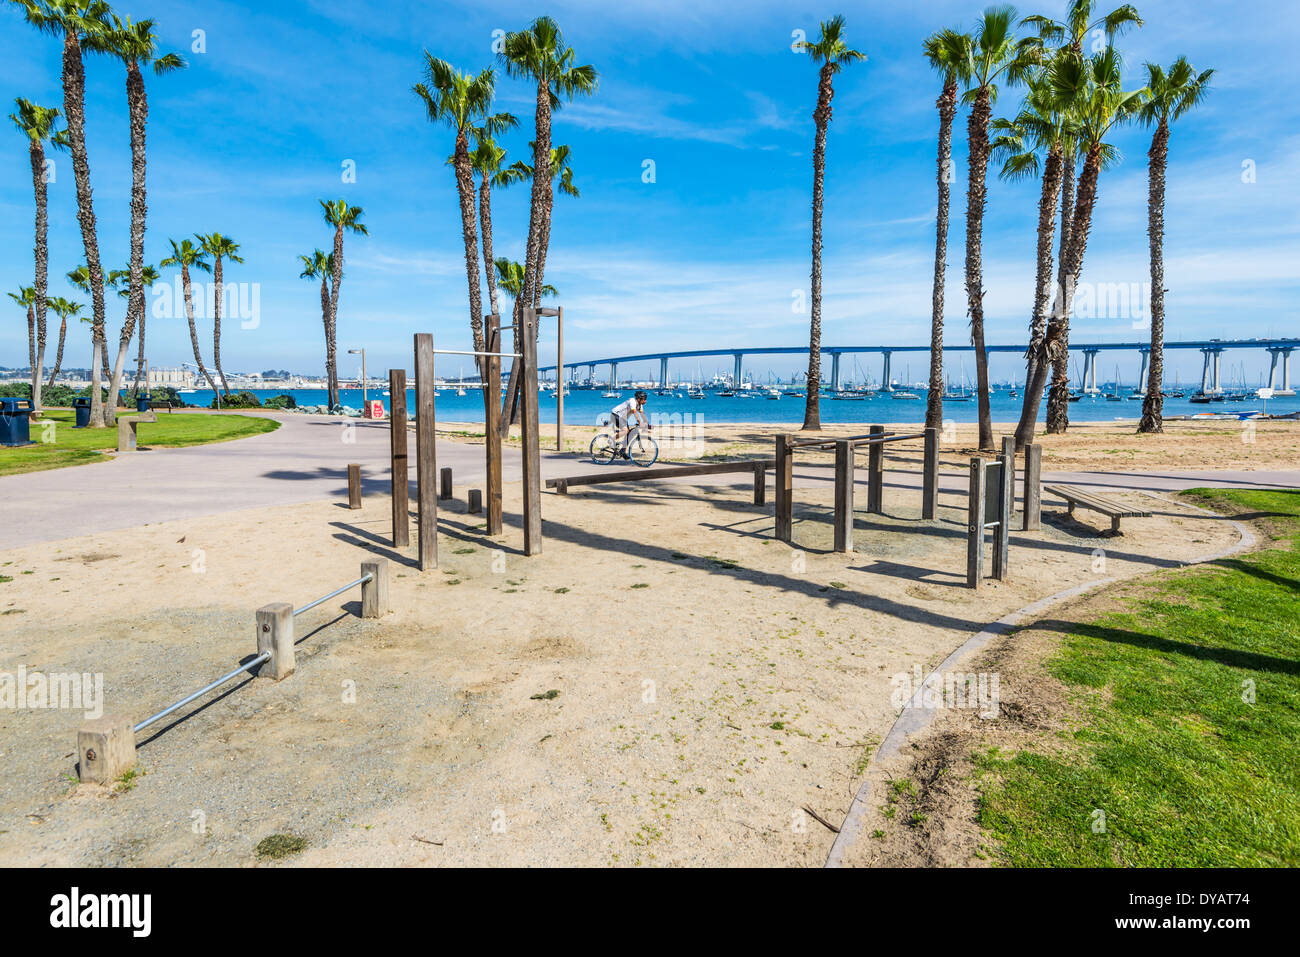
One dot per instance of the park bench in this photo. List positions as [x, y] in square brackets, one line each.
[161, 404]
[1093, 502]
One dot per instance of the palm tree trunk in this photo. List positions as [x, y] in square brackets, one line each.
[194, 332]
[1153, 401]
[976, 197]
[1034, 356]
[31, 344]
[469, 235]
[947, 105]
[139, 361]
[812, 414]
[541, 186]
[58, 358]
[331, 326]
[485, 220]
[218, 294]
[1057, 340]
[74, 101]
[37, 155]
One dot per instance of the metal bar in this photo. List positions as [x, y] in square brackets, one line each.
[471, 352]
[866, 439]
[338, 591]
[264, 656]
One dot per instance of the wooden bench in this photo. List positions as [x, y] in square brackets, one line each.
[1092, 501]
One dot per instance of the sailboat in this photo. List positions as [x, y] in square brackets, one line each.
[1115, 396]
[906, 393]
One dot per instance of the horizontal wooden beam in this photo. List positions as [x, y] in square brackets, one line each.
[672, 471]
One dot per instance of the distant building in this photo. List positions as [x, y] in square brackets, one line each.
[176, 378]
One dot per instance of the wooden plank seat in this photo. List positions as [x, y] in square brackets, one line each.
[1082, 498]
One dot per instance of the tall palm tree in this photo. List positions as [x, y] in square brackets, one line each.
[220, 248]
[540, 53]
[1081, 20]
[459, 100]
[148, 276]
[833, 54]
[1169, 97]
[135, 44]
[1044, 125]
[188, 256]
[488, 159]
[317, 265]
[1095, 85]
[510, 276]
[37, 124]
[562, 172]
[26, 299]
[340, 216]
[80, 277]
[996, 55]
[948, 52]
[76, 21]
[65, 310]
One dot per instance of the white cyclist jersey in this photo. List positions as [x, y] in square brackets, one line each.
[624, 410]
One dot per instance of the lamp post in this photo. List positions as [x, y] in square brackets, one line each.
[558, 313]
[365, 407]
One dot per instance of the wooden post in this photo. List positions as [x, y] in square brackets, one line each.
[532, 454]
[105, 749]
[275, 635]
[559, 379]
[975, 525]
[843, 495]
[784, 485]
[930, 478]
[475, 501]
[374, 593]
[492, 434]
[1006, 501]
[1033, 515]
[445, 490]
[354, 486]
[397, 444]
[876, 472]
[425, 458]
[760, 483]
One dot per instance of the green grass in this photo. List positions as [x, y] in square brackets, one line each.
[78, 446]
[1187, 772]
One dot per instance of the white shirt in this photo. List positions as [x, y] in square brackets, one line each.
[625, 409]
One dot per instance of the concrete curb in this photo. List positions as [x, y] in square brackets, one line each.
[915, 717]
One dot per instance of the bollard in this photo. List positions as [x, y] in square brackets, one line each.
[445, 492]
[275, 636]
[760, 483]
[374, 593]
[876, 471]
[354, 486]
[1033, 488]
[425, 457]
[105, 749]
[475, 501]
[975, 524]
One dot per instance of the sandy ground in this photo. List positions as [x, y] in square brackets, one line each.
[712, 683]
[1190, 445]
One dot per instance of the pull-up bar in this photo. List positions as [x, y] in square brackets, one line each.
[476, 352]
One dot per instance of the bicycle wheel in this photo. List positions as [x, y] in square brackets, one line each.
[602, 449]
[643, 450]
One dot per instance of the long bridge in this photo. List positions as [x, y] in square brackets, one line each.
[1212, 349]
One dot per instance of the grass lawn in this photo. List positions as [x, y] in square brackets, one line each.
[1189, 741]
[71, 446]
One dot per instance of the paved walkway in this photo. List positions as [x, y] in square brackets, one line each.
[306, 460]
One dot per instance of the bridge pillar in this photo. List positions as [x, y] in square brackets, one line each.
[835, 372]
[735, 376]
[1090, 371]
[886, 381]
[613, 376]
[1205, 370]
[663, 372]
[1142, 375]
[1283, 353]
[1218, 386]
[1286, 373]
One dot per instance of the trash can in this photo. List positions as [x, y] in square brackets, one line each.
[142, 403]
[15, 427]
[82, 409]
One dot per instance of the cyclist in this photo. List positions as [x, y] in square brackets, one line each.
[620, 416]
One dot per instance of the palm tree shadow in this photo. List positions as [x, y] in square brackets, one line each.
[1232, 657]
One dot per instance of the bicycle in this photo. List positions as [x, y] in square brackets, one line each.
[641, 449]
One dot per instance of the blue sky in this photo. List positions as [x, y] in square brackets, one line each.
[711, 254]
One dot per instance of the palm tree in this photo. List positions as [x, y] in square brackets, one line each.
[561, 171]
[219, 247]
[37, 124]
[318, 266]
[188, 256]
[148, 276]
[487, 160]
[65, 310]
[1095, 85]
[510, 276]
[26, 299]
[996, 54]
[539, 53]
[1169, 96]
[77, 21]
[948, 52]
[1080, 21]
[459, 100]
[80, 277]
[134, 43]
[1044, 125]
[833, 54]
[340, 216]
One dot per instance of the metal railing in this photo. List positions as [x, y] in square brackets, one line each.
[247, 666]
